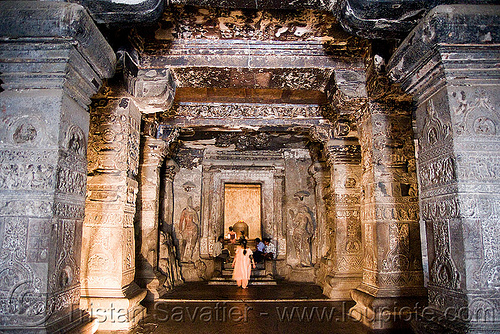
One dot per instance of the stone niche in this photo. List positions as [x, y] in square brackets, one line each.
[287, 198]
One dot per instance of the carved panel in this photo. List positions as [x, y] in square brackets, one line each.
[474, 114]
[443, 271]
[240, 111]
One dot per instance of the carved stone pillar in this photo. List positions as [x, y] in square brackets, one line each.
[450, 63]
[344, 206]
[53, 58]
[147, 276]
[392, 283]
[108, 259]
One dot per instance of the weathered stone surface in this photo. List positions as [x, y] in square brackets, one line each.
[392, 267]
[147, 275]
[457, 121]
[108, 255]
[49, 70]
[341, 268]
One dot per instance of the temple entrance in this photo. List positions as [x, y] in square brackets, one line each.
[242, 203]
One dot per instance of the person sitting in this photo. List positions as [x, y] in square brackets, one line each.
[270, 249]
[220, 254]
[258, 255]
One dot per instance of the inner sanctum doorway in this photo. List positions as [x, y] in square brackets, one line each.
[242, 204]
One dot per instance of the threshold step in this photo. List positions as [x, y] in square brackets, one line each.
[226, 282]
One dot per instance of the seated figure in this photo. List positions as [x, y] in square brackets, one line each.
[269, 250]
[258, 255]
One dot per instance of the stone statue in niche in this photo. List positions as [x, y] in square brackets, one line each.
[188, 228]
[302, 229]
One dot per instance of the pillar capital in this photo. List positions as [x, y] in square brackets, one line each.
[343, 152]
[457, 44]
[55, 33]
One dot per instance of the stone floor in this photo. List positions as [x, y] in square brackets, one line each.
[283, 308]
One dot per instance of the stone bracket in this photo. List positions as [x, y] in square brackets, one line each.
[153, 89]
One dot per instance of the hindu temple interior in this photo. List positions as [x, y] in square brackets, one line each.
[362, 137]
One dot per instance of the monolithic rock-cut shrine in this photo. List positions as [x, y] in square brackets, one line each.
[362, 137]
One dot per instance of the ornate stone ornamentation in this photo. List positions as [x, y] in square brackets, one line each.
[475, 114]
[240, 111]
[443, 270]
[303, 229]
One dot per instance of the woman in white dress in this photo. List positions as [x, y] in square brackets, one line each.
[241, 264]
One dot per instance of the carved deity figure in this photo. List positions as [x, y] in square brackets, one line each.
[188, 227]
[303, 231]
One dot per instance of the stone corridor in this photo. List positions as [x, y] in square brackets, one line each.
[362, 137]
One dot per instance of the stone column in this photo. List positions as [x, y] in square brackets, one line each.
[53, 58]
[392, 283]
[343, 201]
[152, 155]
[450, 64]
[108, 259]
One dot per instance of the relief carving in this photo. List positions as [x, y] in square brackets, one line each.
[434, 131]
[22, 176]
[71, 182]
[475, 113]
[303, 228]
[76, 142]
[438, 172]
[239, 111]
[443, 271]
[188, 229]
[397, 258]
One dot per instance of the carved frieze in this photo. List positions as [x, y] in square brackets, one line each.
[437, 173]
[216, 23]
[239, 111]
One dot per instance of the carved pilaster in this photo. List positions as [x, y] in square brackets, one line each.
[153, 153]
[344, 258]
[108, 259]
[457, 92]
[392, 269]
[50, 68]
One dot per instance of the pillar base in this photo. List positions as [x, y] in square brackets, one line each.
[340, 287]
[387, 308]
[302, 274]
[119, 311]
[77, 322]
[154, 286]
[189, 272]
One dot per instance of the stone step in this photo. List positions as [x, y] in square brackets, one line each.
[228, 265]
[255, 272]
[253, 281]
